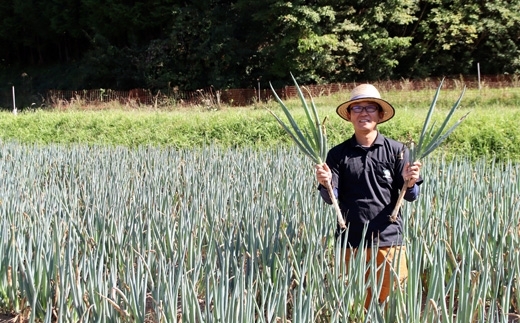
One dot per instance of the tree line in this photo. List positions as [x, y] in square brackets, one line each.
[159, 44]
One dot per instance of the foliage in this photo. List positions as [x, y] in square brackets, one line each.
[374, 42]
[311, 140]
[83, 44]
[296, 37]
[431, 137]
[456, 35]
[110, 234]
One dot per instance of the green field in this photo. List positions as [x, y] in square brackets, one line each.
[489, 131]
[204, 215]
[97, 234]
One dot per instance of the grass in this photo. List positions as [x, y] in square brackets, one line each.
[488, 130]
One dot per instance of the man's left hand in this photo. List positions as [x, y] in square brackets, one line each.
[411, 173]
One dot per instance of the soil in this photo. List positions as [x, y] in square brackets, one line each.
[7, 319]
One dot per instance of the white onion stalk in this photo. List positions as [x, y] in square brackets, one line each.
[429, 140]
[314, 143]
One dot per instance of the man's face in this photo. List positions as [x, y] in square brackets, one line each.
[365, 115]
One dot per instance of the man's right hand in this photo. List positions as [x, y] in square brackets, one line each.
[323, 174]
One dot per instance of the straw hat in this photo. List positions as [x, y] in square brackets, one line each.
[366, 92]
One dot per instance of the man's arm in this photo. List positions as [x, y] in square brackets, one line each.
[412, 193]
[325, 194]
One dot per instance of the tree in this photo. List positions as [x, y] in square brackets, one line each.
[200, 49]
[451, 37]
[294, 36]
[373, 36]
[497, 46]
[196, 44]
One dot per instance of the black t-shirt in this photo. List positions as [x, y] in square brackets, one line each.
[368, 181]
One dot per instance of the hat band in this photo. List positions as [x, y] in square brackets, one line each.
[362, 96]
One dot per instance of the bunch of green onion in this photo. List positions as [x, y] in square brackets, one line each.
[430, 139]
[312, 140]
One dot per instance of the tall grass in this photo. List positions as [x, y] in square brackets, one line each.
[91, 233]
[489, 131]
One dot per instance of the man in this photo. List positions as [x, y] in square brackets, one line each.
[367, 173]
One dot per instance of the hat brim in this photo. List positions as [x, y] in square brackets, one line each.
[388, 109]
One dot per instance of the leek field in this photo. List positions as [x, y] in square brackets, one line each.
[96, 230]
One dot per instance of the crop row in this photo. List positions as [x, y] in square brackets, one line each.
[98, 234]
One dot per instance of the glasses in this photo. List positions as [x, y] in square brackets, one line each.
[368, 108]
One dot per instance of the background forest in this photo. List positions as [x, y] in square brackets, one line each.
[161, 44]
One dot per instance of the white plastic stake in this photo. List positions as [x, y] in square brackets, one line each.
[478, 73]
[14, 103]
